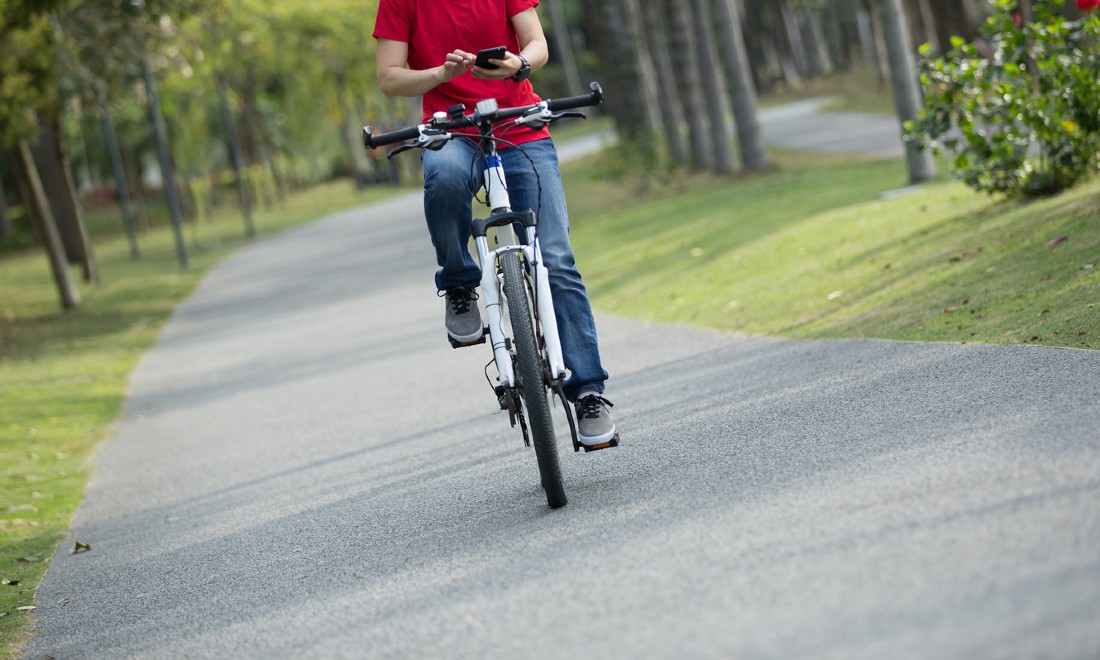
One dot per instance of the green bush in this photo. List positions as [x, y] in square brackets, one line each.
[1018, 112]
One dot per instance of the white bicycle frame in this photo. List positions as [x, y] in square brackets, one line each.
[496, 190]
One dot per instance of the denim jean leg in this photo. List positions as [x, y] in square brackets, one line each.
[449, 186]
[576, 326]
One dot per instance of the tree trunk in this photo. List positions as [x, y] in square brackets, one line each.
[610, 35]
[7, 229]
[647, 73]
[727, 23]
[952, 19]
[131, 159]
[794, 38]
[878, 43]
[667, 82]
[903, 79]
[233, 146]
[350, 132]
[813, 36]
[160, 131]
[928, 25]
[56, 178]
[250, 127]
[39, 210]
[119, 170]
[712, 88]
[563, 43]
[681, 37]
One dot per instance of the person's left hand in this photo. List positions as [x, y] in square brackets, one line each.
[506, 68]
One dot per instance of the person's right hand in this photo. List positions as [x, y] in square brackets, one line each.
[458, 63]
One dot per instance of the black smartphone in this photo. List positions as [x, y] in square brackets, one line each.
[486, 54]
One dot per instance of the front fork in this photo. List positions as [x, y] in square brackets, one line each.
[493, 297]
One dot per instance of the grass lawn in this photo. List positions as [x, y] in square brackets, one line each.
[63, 376]
[810, 250]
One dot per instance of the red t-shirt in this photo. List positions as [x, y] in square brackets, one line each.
[434, 28]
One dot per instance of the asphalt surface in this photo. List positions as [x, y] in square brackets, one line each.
[306, 469]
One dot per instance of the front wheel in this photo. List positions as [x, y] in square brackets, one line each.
[529, 376]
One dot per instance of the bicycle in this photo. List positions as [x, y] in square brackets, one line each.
[529, 364]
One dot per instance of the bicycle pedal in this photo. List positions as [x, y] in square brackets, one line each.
[613, 442]
[473, 342]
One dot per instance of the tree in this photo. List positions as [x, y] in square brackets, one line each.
[719, 142]
[609, 32]
[903, 82]
[739, 84]
[27, 83]
[41, 214]
[680, 21]
[563, 44]
[671, 113]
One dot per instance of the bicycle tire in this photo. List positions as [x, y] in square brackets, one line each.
[530, 382]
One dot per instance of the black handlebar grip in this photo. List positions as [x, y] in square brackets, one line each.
[372, 141]
[595, 97]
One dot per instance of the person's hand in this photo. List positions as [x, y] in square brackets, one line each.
[458, 63]
[506, 68]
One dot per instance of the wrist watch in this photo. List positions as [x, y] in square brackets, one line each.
[524, 70]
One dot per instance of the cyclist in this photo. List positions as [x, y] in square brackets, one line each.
[426, 48]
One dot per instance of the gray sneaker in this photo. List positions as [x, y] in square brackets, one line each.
[594, 425]
[463, 319]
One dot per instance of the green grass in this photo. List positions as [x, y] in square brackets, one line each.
[809, 250]
[63, 376]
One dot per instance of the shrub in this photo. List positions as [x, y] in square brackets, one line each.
[1024, 119]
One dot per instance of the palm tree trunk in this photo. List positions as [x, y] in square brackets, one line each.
[647, 74]
[564, 46]
[610, 30]
[794, 37]
[903, 80]
[667, 83]
[742, 92]
[711, 73]
[681, 37]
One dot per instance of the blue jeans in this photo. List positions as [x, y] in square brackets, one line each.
[451, 179]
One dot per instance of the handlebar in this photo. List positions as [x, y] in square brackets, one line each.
[372, 141]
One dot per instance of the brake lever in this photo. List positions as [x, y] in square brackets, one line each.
[430, 138]
[402, 148]
[568, 115]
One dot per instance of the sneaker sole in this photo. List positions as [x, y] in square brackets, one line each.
[462, 339]
[598, 439]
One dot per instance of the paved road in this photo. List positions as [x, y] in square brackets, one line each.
[804, 125]
[306, 469]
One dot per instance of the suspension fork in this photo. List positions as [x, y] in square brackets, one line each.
[491, 292]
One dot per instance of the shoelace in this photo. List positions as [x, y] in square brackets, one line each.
[459, 299]
[590, 406]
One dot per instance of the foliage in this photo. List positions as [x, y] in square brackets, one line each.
[27, 79]
[1021, 120]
